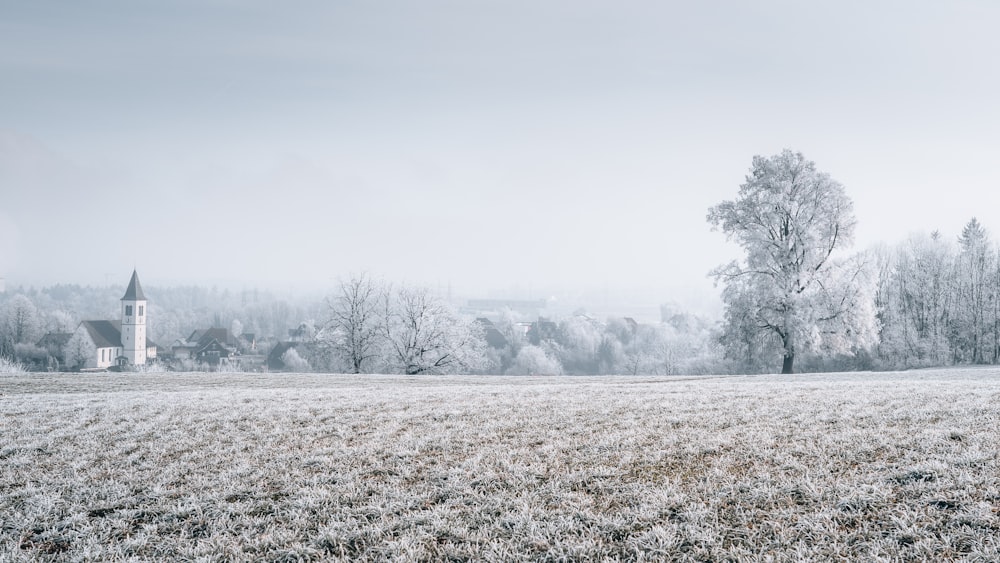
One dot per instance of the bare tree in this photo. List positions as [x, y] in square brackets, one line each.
[356, 321]
[79, 350]
[974, 269]
[914, 300]
[23, 321]
[424, 334]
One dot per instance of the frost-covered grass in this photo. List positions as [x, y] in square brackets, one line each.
[9, 367]
[310, 467]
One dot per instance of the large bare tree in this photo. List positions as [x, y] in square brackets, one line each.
[357, 322]
[790, 219]
[425, 335]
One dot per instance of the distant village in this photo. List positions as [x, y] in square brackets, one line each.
[122, 344]
[507, 337]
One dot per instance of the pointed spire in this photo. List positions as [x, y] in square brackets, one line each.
[134, 291]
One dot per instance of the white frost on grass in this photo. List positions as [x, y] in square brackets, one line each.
[314, 467]
[11, 367]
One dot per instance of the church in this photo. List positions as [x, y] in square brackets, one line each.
[124, 342]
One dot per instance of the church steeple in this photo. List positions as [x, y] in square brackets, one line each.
[134, 322]
[134, 290]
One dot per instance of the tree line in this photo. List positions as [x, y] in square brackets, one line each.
[938, 300]
[798, 293]
[376, 327]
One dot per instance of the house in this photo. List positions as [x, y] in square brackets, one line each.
[247, 343]
[304, 333]
[542, 330]
[123, 342]
[276, 358]
[54, 346]
[494, 338]
[214, 353]
[212, 346]
[54, 343]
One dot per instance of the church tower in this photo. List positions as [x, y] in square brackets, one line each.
[134, 322]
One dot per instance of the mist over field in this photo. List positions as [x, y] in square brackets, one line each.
[513, 149]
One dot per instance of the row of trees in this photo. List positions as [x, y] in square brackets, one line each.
[376, 327]
[581, 345]
[938, 301]
[798, 293]
[369, 326]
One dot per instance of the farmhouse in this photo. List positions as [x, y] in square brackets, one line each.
[212, 346]
[124, 342]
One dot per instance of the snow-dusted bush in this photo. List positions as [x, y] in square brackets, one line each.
[151, 367]
[9, 366]
[532, 360]
[79, 351]
[231, 367]
[294, 362]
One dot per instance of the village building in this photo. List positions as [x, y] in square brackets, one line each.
[494, 338]
[211, 346]
[54, 343]
[217, 348]
[122, 342]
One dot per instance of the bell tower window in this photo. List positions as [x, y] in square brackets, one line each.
[140, 310]
[128, 310]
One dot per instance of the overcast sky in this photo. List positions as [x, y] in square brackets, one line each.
[488, 145]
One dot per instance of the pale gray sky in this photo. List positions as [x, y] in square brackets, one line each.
[482, 144]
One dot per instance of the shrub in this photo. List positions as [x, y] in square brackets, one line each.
[9, 366]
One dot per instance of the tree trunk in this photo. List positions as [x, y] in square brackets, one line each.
[789, 346]
[786, 364]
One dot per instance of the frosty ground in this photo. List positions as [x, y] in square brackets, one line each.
[308, 467]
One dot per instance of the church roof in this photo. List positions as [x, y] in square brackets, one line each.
[108, 334]
[105, 334]
[134, 291]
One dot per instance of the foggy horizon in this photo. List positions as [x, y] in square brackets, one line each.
[560, 147]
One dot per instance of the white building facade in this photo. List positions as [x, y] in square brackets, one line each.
[124, 342]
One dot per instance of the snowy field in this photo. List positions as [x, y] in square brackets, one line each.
[318, 467]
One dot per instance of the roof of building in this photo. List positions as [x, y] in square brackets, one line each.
[213, 345]
[493, 337]
[274, 360]
[134, 291]
[108, 334]
[105, 334]
[55, 339]
[204, 336]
